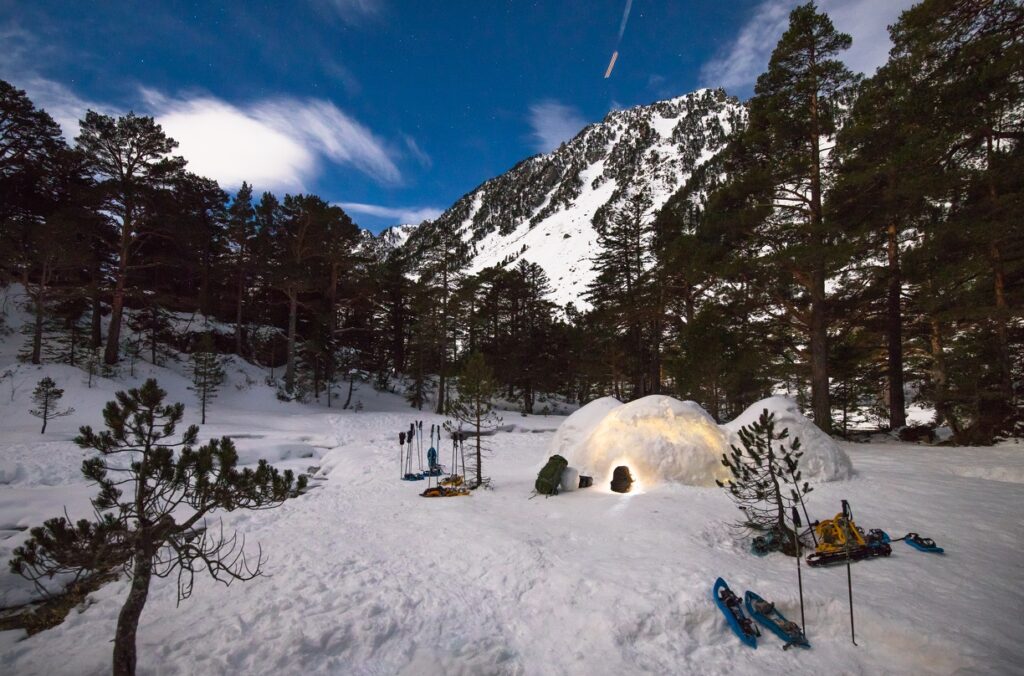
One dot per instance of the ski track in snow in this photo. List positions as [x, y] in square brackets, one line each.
[365, 577]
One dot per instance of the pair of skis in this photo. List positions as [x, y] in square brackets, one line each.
[758, 609]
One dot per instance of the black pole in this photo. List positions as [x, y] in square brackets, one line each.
[814, 536]
[847, 517]
[401, 455]
[799, 575]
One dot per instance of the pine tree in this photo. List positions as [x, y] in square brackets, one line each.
[620, 291]
[761, 472]
[47, 397]
[442, 255]
[130, 156]
[241, 234]
[152, 512]
[207, 374]
[473, 407]
[775, 198]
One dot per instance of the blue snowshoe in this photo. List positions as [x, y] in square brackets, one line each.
[922, 544]
[767, 614]
[732, 608]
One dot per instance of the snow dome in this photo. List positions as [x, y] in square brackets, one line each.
[822, 460]
[663, 439]
[659, 438]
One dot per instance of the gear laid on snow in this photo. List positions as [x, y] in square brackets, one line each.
[622, 480]
[732, 607]
[767, 614]
[586, 481]
[916, 541]
[839, 539]
[550, 476]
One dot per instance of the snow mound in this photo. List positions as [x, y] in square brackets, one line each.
[823, 459]
[659, 438]
[575, 429]
[663, 439]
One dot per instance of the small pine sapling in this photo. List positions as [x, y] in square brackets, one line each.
[473, 407]
[46, 397]
[152, 510]
[207, 374]
[761, 473]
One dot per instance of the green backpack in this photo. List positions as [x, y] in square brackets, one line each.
[551, 475]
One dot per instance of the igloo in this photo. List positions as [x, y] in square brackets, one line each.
[823, 459]
[664, 439]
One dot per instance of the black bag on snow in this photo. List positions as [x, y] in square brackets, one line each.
[550, 475]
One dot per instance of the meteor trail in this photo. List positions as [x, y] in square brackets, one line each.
[611, 64]
[618, 40]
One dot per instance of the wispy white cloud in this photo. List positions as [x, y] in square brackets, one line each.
[738, 64]
[352, 11]
[414, 215]
[18, 58]
[414, 149]
[278, 143]
[552, 123]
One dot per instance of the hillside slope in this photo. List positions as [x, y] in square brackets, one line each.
[550, 208]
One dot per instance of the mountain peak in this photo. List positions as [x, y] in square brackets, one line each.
[549, 208]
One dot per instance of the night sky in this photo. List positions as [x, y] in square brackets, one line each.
[392, 109]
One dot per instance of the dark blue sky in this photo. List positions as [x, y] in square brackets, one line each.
[400, 107]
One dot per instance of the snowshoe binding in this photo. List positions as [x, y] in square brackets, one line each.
[767, 614]
[732, 607]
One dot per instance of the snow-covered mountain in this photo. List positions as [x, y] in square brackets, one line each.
[548, 209]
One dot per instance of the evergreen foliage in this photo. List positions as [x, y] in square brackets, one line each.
[766, 479]
[152, 512]
[207, 373]
[473, 408]
[46, 396]
[854, 245]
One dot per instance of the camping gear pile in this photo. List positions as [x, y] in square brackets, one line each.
[410, 444]
[836, 540]
[556, 476]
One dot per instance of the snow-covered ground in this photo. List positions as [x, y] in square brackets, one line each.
[364, 576]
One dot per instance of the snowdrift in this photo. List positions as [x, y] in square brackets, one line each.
[823, 460]
[663, 439]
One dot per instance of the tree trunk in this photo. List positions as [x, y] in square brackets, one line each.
[239, 291]
[110, 355]
[820, 402]
[479, 453]
[442, 381]
[96, 326]
[943, 414]
[37, 329]
[293, 312]
[897, 403]
[128, 619]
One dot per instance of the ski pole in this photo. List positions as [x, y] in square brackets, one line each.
[799, 575]
[419, 443]
[401, 455]
[810, 524]
[847, 516]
